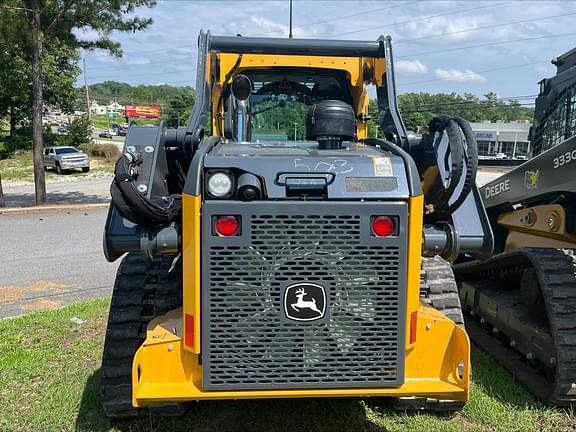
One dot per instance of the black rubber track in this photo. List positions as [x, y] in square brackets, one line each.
[555, 270]
[438, 289]
[143, 290]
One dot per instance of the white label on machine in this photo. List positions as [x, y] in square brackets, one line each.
[382, 166]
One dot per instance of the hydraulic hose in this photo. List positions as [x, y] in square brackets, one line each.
[131, 203]
[462, 155]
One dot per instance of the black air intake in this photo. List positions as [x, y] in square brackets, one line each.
[330, 122]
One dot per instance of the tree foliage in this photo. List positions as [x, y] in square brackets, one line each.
[418, 109]
[79, 131]
[31, 28]
[166, 96]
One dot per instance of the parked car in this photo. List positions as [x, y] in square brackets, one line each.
[65, 158]
[62, 130]
[105, 134]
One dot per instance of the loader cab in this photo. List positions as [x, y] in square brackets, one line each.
[284, 88]
[281, 99]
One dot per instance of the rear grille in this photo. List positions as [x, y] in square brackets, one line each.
[249, 342]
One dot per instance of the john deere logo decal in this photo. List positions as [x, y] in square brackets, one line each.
[531, 179]
[305, 302]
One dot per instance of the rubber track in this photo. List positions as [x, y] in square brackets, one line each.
[142, 291]
[438, 289]
[555, 270]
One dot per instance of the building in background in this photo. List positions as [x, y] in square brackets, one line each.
[114, 108]
[503, 140]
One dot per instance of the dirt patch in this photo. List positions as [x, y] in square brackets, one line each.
[41, 304]
[45, 286]
[10, 294]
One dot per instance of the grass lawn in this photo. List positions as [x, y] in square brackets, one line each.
[20, 167]
[49, 381]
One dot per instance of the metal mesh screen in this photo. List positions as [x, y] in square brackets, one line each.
[248, 342]
[560, 122]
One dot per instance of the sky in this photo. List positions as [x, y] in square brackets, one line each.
[440, 46]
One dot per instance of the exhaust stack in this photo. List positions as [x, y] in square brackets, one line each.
[241, 91]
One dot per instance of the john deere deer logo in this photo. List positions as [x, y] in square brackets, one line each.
[304, 302]
[531, 179]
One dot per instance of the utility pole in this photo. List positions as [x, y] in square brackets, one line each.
[86, 88]
[295, 124]
[290, 35]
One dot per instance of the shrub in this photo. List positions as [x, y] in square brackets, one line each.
[108, 151]
[17, 142]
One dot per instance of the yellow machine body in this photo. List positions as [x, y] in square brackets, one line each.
[437, 364]
[167, 367]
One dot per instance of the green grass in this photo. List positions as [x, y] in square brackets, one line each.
[49, 381]
[20, 167]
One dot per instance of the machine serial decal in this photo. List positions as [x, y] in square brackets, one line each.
[305, 302]
[564, 159]
[382, 166]
[497, 189]
[531, 179]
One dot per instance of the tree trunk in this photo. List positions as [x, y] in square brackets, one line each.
[12, 122]
[2, 201]
[37, 103]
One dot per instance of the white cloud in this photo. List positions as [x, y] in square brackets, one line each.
[261, 26]
[138, 62]
[453, 28]
[458, 75]
[410, 67]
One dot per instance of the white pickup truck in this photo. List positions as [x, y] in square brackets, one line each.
[65, 158]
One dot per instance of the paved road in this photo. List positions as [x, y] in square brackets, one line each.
[66, 190]
[51, 259]
[71, 190]
[483, 177]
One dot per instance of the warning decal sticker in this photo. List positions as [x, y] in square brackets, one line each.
[382, 166]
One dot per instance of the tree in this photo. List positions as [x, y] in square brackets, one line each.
[178, 109]
[58, 19]
[79, 131]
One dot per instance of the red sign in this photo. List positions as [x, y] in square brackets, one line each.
[142, 111]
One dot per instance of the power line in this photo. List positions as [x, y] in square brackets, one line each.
[338, 18]
[193, 59]
[479, 107]
[157, 73]
[396, 41]
[334, 19]
[472, 73]
[476, 101]
[194, 47]
[484, 28]
[424, 18]
[486, 45]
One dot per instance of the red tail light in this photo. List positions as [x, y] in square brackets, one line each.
[189, 330]
[413, 326]
[383, 226]
[227, 225]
